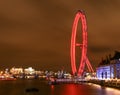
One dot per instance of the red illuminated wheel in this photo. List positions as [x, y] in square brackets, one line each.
[83, 45]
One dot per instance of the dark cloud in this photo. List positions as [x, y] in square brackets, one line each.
[98, 49]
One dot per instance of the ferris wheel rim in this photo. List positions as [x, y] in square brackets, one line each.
[79, 16]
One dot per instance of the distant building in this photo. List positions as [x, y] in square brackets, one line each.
[29, 70]
[16, 70]
[109, 68]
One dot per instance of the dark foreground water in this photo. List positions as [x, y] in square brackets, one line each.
[19, 88]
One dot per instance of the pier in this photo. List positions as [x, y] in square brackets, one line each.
[66, 81]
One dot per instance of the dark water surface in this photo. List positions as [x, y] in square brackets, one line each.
[19, 87]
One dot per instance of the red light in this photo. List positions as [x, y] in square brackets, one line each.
[52, 89]
[83, 45]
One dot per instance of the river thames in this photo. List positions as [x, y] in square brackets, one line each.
[19, 87]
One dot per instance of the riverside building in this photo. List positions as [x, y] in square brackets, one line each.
[109, 68]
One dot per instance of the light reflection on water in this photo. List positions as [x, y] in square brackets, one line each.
[19, 88]
[82, 89]
[111, 91]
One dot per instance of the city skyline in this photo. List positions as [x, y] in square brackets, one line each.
[38, 33]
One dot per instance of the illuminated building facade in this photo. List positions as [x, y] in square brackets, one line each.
[16, 70]
[29, 70]
[109, 68]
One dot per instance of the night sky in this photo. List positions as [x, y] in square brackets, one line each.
[37, 33]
